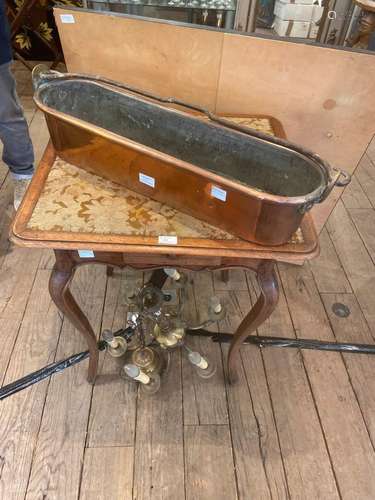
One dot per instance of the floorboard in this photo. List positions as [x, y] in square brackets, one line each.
[20, 415]
[159, 442]
[209, 463]
[59, 452]
[99, 469]
[364, 222]
[255, 440]
[327, 269]
[302, 441]
[204, 400]
[331, 387]
[355, 259]
[117, 428]
[365, 174]
[354, 195]
[360, 367]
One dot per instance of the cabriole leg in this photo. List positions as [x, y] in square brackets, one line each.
[263, 308]
[59, 282]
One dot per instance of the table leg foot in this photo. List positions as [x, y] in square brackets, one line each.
[59, 282]
[263, 308]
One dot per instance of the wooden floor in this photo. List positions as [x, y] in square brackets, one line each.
[297, 425]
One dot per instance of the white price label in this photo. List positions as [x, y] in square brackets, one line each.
[146, 179]
[218, 193]
[86, 254]
[67, 18]
[167, 240]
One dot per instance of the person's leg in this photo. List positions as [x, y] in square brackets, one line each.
[18, 151]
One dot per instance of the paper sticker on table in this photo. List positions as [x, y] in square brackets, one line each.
[146, 179]
[218, 193]
[67, 18]
[167, 240]
[86, 254]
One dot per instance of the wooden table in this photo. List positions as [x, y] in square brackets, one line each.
[86, 219]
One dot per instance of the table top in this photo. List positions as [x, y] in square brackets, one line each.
[69, 208]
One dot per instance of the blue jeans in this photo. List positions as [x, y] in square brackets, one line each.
[18, 151]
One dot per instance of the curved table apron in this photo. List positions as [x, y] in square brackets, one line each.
[67, 261]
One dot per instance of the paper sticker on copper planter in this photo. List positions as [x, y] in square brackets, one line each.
[146, 179]
[218, 193]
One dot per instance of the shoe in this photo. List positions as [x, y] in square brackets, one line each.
[20, 187]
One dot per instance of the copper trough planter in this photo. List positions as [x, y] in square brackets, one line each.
[253, 185]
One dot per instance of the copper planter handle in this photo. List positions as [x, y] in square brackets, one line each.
[335, 181]
[346, 178]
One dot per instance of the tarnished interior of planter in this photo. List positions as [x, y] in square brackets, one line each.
[248, 160]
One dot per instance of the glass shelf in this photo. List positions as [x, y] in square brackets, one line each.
[204, 5]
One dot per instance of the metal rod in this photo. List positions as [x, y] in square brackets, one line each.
[47, 371]
[261, 341]
[313, 344]
[318, 345]
[58, 366]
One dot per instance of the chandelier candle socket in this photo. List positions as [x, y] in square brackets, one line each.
[110, 339]
[172, 273]
[136, 373]
[204, 368]
[196, 359]
[116, 346]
